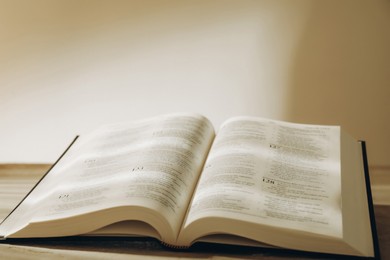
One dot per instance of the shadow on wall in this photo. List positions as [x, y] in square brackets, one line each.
[341, 72]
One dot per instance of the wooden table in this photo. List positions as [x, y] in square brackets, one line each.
[17, 179]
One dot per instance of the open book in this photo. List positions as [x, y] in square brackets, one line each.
[257, 182]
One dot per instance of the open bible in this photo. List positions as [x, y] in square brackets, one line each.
[254, 182]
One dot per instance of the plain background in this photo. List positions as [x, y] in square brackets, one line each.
[67, 67]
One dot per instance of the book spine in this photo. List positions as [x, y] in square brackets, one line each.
[176, 247]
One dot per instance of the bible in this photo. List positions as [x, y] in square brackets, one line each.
[253, 182]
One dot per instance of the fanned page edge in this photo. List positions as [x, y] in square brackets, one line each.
[2, 236]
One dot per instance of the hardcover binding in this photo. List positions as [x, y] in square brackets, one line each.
[370, 202]
[47, 172]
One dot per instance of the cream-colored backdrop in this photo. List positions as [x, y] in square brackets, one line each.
[69, 66]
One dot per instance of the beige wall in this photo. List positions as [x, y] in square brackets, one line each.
[343, 62]
[69, 66]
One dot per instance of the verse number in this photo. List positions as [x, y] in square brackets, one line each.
[267, 180]
[138, 168]
[64, 196]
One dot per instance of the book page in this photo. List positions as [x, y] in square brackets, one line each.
[154, 163]
[273, 173]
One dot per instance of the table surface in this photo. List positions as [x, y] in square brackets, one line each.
[17, 179]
